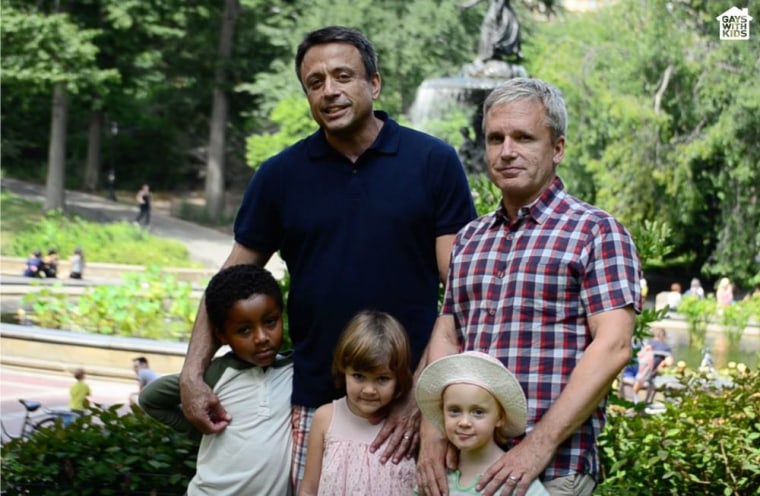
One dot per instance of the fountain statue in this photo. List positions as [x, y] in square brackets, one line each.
[498, 59]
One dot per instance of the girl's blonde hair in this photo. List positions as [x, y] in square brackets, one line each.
[374, 340]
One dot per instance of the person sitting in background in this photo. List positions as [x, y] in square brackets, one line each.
[654, 356]
[724, 295]
[77, 264]
[50, 263]
[695, 289]
[34, 265]
[674, 296]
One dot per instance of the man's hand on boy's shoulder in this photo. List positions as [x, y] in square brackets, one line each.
[201, 406]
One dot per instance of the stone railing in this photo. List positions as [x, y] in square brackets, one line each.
[105, 356]
[15, 266]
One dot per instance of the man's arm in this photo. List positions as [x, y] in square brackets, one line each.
[443, 245]
[608, 353]
[434, 456]
[199, 403]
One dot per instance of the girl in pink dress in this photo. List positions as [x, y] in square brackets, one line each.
[372, 362]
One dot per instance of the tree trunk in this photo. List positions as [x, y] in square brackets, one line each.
[92, 165]
[216, 149]
[54, 190]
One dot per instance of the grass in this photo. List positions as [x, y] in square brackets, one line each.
[25, 227]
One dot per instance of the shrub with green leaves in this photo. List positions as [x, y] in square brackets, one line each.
[100, 453]
[697, 312]
[148, 304]
[706, 442]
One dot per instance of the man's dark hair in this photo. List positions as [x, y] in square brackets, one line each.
[339, 34]
[235, 283]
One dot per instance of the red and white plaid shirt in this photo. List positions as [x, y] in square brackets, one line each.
[522, 291]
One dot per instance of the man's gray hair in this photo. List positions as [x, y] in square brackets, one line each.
[536, 90]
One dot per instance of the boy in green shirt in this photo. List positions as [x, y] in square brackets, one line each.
[254, 382]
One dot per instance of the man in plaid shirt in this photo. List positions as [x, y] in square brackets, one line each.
[550, 286]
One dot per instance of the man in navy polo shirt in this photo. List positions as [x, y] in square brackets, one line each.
[364, 214]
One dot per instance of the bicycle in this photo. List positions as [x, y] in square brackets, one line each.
[33, 423]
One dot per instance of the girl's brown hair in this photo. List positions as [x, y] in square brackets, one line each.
[374, 340]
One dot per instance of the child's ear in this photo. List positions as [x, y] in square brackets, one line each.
[502, 420]
[221, 337]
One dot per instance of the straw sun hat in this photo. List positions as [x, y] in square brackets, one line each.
[479, 369]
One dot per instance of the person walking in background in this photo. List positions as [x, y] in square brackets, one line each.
[547, 284]
[78, 394]
[77, 264]
[724, 295]
[372, 365]
[477, 404]
[323, 204]
[143, 201]
[145, 375]
[253, 455]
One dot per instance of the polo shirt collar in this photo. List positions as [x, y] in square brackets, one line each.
[540, 209]
[386, 143]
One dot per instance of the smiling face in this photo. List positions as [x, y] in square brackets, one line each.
[253, 329]
[368, 393]
[340, 94]
[521, 156]
[470, 416]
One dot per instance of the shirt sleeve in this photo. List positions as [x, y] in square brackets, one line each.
[161, 400]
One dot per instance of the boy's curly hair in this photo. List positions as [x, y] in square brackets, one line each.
[235, 283]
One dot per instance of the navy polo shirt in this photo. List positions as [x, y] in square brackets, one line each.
[355, 236]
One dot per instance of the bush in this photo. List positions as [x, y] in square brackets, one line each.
[100, 453]
[148, 304]
[706, 442]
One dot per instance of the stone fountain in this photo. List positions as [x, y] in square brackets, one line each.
[498, 60]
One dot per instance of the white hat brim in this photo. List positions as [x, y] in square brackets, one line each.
[476, 368]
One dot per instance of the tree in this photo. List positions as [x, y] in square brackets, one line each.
[50, 54]
[217, 149]
[663, 125]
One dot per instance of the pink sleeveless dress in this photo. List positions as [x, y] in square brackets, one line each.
[348, 467]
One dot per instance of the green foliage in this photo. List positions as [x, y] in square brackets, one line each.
[698, 312]
[735, 317]
[485, 194]
[100, 453]
[707, 442]
[147, 304]
[41, 50]
[663, 124]
[119, 242]
[291, 122]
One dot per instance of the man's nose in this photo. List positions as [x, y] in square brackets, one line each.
[508, 148]
[331, 86]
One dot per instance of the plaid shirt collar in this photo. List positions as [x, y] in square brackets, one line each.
[540, 210]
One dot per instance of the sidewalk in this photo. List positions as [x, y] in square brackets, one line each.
[205, 245]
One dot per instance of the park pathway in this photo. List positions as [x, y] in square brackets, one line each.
[205, 245]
